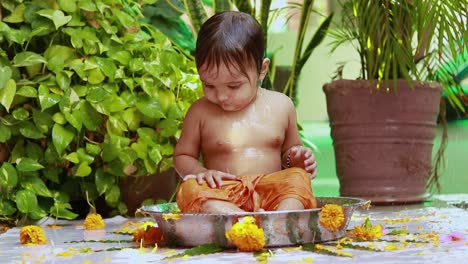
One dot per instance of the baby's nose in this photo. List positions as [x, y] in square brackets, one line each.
[222, 97]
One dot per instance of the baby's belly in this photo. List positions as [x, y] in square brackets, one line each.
[249, 161]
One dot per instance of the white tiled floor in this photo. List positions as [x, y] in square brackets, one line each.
[436, 216]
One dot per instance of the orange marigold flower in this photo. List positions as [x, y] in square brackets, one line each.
[246, 235]
[332, 217]
[367, 231]
[32, 234]
[148, 235]
[94, 221]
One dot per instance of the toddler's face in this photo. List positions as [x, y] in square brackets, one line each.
[228, 87]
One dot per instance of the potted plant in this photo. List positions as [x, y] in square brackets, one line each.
[89, 96]
[383, 124]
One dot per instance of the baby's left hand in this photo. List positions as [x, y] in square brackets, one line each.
[303, 157]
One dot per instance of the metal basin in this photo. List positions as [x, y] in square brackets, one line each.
[282, 228]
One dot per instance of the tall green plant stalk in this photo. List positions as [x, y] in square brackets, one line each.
[301, 56]
[264, 14]
[196, 12]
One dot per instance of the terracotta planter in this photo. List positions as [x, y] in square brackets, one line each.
[135, 190]
[383, 138]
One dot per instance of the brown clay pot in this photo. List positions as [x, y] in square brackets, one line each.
[383, 138]
[134, 190]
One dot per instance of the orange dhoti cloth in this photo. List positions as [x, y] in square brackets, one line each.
[250, 192]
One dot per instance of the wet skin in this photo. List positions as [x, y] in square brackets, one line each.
[239, 129]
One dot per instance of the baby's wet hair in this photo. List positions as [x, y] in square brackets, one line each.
[231, 38]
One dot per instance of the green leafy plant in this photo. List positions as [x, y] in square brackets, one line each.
[413, 40]
[416, 40]
[89, 95]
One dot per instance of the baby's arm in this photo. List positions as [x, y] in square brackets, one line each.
[294, 154]
[187, 151]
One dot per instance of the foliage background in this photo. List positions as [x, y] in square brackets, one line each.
[88, 94]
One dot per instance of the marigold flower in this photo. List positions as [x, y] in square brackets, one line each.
[332, 217]
[148, 235]
[94, 221]
[367, 231]
[32, 234]
[246, 235]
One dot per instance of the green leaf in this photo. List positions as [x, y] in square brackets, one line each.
[62, 137]
[109, 152]
[27, 164]
[57, 16]
[95, 76]
[52, 173]
[63, 80]
[131, 118]
[73, 157]
[113, 195]
[37, 213]
[27, 58]
[5, 75]
[27, 91]
[357, 247]
[169, 127]
[155, 155]
[93, 149]
[57, 56]
[43, 120]
[6, 207]
[20, 114]
[107, 66]
[36, 185]
[26, 201]
[46, 99]
[29, 130]
[204, 249]
[398, 232]
[87, 5]
[84, 157]
[17, 16]
[5, 133]
[7, 93]
[8, 175]
[150, 106]
[34, 150]
[122, 56]
[61, 211]
[104, 181]
[67, 5]
[83, 170]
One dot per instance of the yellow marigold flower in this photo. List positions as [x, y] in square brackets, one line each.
[367, 231]
[246, 235]
[148, 235]
[32, 234]
[332, 217]
[94, 221]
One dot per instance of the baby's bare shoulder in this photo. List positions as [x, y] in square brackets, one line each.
[278, 99]
[202, 105]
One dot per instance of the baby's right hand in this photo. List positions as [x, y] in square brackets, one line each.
[213, 178]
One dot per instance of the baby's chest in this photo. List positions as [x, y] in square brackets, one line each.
[228, 136]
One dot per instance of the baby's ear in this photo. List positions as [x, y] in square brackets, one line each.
[264, 70]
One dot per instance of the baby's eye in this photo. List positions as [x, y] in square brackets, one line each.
[209, 86]
[233, 86]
